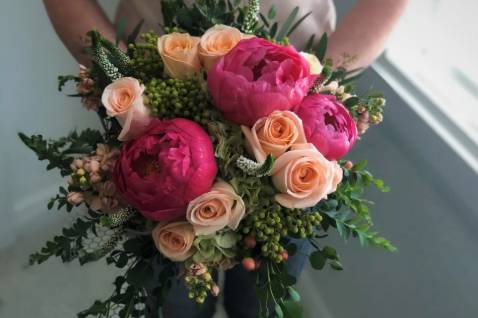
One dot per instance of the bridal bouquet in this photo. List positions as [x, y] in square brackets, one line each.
[222, 144]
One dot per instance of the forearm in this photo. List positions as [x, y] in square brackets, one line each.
[363, 32]
[73, 19]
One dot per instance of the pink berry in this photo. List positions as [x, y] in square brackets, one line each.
[250, 242]
[249, 264]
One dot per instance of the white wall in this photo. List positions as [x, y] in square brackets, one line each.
[31, 58]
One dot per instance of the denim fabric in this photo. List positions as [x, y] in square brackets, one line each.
[239, 293]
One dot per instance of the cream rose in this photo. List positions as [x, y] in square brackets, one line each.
[217, 42]
[179, 52]
[314, 63]
[274, 134]
[123, 99]
[303, 176]
[219, 208]
[174, 240]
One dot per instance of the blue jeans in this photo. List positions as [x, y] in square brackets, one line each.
[239, 293]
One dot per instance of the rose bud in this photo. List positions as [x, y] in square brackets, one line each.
[215, 290]
[348, 165]
[74, 198]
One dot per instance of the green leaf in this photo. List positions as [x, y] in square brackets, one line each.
[296, 25]
[322, 47]
[140, 275]
[134, 34]
[120, 29]
[310, 43]
[278, 310]
[352, 101]
[330, 252]
[271, 14]
[286, 27]
[360, 165]
[336, 265]
[264, 20]
[317, 260]
[273, 30]
[292, 309]
[294, 295]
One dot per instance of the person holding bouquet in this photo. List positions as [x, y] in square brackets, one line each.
[371, 21]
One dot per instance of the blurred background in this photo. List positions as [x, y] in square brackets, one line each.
[426, 150]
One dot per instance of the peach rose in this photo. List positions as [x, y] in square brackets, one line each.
[174, 240]
[314, 63]
[217, 42]
[304, 177]
[216, 209]
[274, 134]
[338, 175]
[123, 99]
[179, 52]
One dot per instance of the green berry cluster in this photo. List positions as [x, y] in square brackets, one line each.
[199, 286]
[170, 98]
[145, 59]
[274, 223]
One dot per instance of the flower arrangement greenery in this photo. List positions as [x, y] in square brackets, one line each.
[221, 144]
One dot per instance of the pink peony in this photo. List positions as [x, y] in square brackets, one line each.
[160, 172]
[256, 78]
[328, 125]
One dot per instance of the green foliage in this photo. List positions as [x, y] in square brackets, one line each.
[61, 200]
[229, 146]
[357, 226]
[138, 285]
[60, 153]
[348, 211]
[69, 245]
[117, 57]
[101, 58]
[275, 293]
[146, 63]
[319, 258]
[213, 248]
[321, 48]
[251, 16]
[202, 15]
[172, 98]
[256, 169]
[271, 28]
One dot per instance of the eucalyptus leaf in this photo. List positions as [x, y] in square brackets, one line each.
[317, 260]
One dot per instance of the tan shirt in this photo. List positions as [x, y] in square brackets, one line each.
[322, 19]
